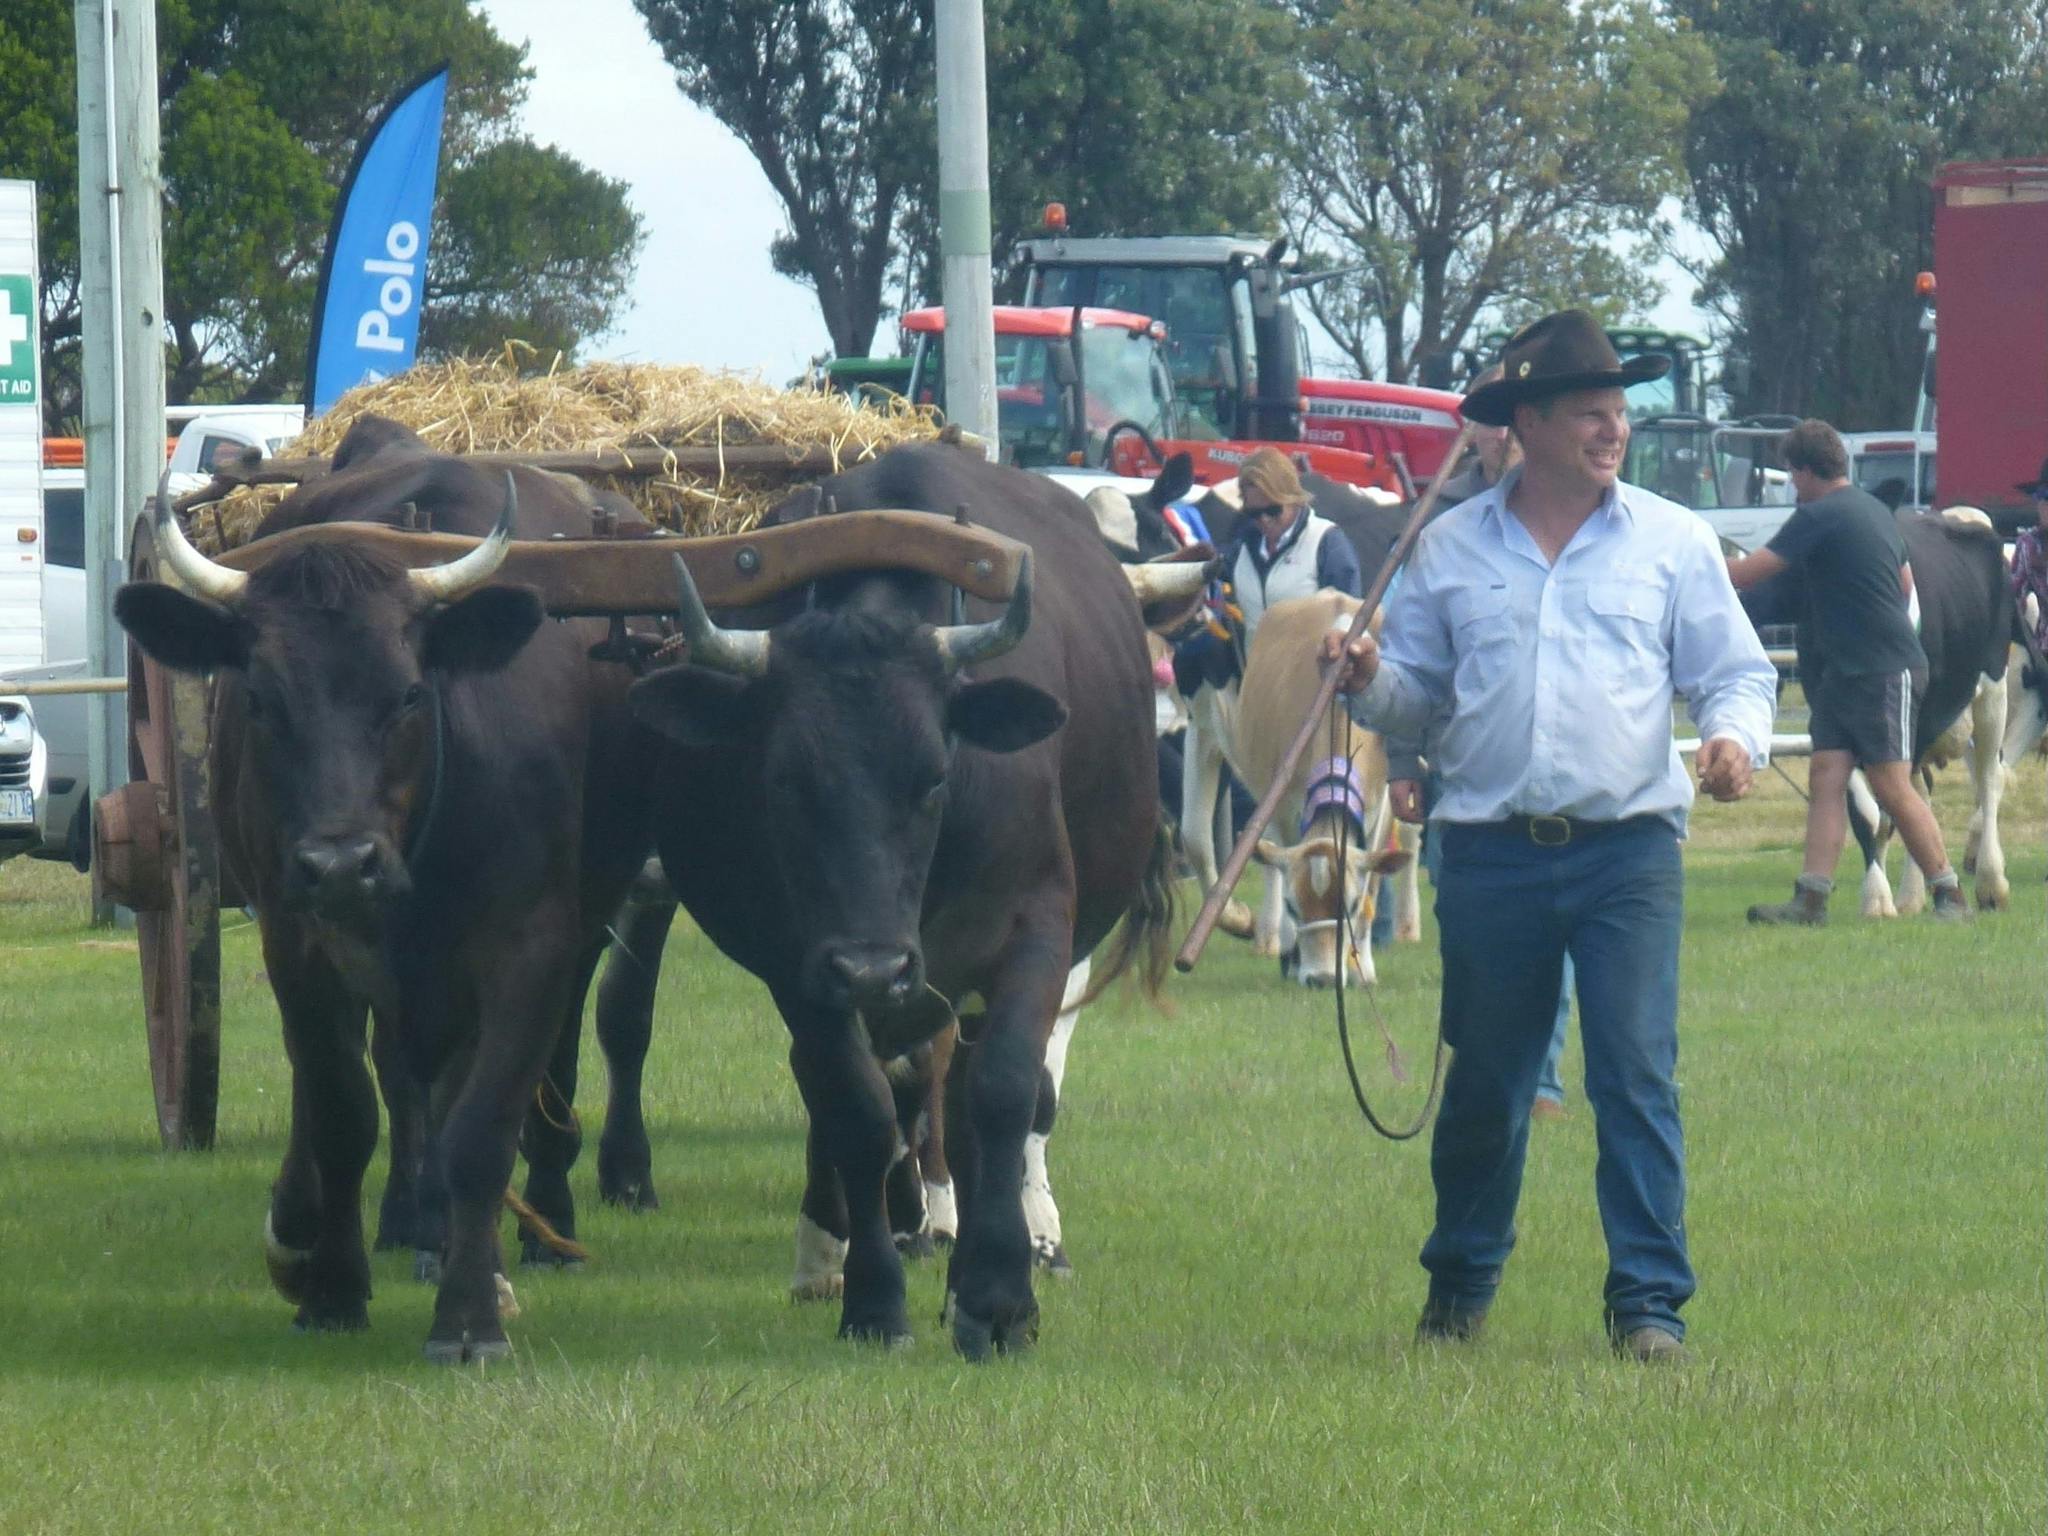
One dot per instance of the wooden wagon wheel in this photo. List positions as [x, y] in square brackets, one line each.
[156, 850]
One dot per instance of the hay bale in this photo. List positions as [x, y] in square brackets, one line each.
[469, 406]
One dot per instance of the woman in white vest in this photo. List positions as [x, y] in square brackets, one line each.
[1284, 549]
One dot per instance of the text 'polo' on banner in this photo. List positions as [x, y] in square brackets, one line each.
[366, 317]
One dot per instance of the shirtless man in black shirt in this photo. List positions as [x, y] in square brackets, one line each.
[1861, 665]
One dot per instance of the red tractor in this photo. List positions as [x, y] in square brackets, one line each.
[1085, 386]
[1234, 347]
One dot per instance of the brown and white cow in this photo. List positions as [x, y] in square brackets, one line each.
[1335, 798]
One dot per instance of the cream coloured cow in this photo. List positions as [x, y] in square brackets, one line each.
[1331, 791]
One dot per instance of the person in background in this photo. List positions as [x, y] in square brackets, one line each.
[1549, 623]
[2030, 560]
[1861, 667]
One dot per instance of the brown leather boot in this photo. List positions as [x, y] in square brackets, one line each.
[1808, 907]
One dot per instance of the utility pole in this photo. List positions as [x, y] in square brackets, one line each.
[964, 241]
[120, 245]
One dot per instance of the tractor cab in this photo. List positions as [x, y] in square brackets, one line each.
[1233, 344]
[1064, 379]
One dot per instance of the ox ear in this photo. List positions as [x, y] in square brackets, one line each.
[692, 706]
[185, 633]
[1390, 861]
[1176, 478]
[1003, 714]
[482, 631]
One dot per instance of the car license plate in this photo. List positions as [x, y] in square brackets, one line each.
[17, 805]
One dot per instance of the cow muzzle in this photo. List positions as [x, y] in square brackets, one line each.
[876, 979]
[345, 877]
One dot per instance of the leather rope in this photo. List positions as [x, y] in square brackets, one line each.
[1347, 945]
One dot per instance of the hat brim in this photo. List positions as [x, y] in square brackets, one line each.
[1493, 405]
[2035, 488]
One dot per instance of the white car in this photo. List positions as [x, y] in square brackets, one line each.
[24, 766]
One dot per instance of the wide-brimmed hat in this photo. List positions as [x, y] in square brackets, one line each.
[2038, 486]
[1554, 356]
[1267, 479]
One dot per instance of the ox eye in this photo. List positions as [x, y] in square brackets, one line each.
[413, 697]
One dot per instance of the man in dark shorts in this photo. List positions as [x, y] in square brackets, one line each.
[1861, 665]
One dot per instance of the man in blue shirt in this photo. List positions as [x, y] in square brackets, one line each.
[1547, 624]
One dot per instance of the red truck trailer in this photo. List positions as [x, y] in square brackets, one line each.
[1991, 292]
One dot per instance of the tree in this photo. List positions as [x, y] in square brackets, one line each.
[833, 98]
[1142, 116]
[262, 105]
[1811, 174]
[1482, 156]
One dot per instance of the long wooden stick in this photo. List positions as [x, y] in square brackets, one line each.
[1212, 907]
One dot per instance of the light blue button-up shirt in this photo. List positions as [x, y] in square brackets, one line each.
[1554, 682]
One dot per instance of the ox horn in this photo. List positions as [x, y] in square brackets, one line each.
[742, 652]
[462, 576]
[962, 645]
[194, 572]
[1175, 580]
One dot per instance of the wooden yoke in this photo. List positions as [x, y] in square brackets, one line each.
[583, 577]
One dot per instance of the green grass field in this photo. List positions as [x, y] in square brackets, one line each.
[1869, 1160]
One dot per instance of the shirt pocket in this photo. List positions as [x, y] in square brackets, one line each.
[1625, 639]
[1482, 637]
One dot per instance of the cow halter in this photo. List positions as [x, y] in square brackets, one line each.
[421, 831]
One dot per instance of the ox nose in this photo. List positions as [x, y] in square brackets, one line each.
[875, 975]
[339, 866]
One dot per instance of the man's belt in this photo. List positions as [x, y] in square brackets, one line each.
[1554, 831]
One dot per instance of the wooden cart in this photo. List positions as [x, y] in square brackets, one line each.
[155, 844]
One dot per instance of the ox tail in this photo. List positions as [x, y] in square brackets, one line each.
[1144, 939]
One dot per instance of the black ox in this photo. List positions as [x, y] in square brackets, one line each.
[428, 796]
[882, 810]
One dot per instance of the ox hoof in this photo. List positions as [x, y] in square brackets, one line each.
[535, 1254]
[818, 1288]
[637, 1195]
[1053, 1261]
[916, 1245]
[426, 1266]
[329, 1317]
[466, 1351]
[891, 1336]
[291, 1269]
[1236, 919]
[978, 1339]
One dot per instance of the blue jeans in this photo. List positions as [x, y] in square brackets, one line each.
[1548, 1084]
[1509, 913]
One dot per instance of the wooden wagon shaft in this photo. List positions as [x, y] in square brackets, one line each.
[624, 576]
[753, 458]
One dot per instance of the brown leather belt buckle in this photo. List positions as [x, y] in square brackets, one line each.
[1549, 831]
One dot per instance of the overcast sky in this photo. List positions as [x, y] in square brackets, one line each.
[704, 292]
